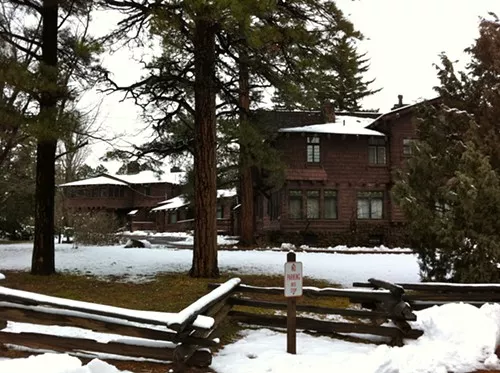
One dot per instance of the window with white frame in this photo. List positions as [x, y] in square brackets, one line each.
[370, 205]
[313, 149]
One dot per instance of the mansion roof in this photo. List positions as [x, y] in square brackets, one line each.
[343, 125]
[144, 177]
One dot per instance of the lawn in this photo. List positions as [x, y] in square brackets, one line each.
[156, 279]
[166, 293]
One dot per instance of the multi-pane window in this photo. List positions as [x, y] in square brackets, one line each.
[312, 204]
[376, 150]
[220, 212]
[116, 191]
[295, 204]
[274, 205]
[408, 146]
[173, 217]
[103, 192]
[313, 149]
[330, 204]
[370, 205]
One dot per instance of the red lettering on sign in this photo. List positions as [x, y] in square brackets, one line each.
[293, 276]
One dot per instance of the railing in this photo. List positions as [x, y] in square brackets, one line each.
[426, 294]
[173, 337]
[378, 306]
[185, 338]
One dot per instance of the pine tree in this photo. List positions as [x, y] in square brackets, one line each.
[253, 44]
[47, 59]
[337, 75]
[450, 189]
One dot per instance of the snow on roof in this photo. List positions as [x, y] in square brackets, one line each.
[343, 125]
[226, 193]
[150, 177]
[172, 204]
[403, 108]
[179, 201]
[144, 177]
[100, 180]
[133, 212]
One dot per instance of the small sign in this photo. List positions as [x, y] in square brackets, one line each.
[293, 279]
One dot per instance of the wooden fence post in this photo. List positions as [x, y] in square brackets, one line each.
[293, 289]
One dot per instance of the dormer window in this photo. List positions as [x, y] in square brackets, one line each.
[313, 149]
[376, 150]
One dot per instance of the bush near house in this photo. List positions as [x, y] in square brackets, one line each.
[95, 228]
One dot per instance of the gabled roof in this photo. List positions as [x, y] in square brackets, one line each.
[343, 125]
[180, 201]
[144, 177]
[226, 193]
[99, 180]
[172, 204]
[402, 110]
[280, 118]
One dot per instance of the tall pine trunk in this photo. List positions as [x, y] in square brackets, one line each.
[205, 184]
[43, 260]
[246, 180]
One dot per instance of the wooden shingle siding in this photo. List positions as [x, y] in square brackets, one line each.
[345, 167]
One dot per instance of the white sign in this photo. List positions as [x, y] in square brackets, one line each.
[293, 279]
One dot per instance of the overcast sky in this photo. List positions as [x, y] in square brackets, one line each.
[403, 39]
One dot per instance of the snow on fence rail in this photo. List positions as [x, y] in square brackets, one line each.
[163, 336]
[425, 295]
[384, 305]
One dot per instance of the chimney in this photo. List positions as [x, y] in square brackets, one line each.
[328, 112]
[399, 104]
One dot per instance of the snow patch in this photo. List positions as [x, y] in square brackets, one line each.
[457, 338]
[56, 363]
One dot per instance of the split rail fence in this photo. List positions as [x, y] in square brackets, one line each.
[187, 337]
[376, 307]
[427, 294]
[184, 338]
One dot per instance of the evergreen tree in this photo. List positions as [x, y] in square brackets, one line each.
[336, 75]
[17, 192]
[246, 45]
[87, 172]
[450, 189]
[47, 59]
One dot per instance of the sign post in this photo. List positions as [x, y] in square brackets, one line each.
[293, 290]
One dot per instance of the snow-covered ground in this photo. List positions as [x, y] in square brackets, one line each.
[448, 345]
[141, 264]
[457, 337]
[55, 363]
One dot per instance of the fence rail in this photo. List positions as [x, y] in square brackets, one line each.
[425, 295]
[382, 304]
[184, 337]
